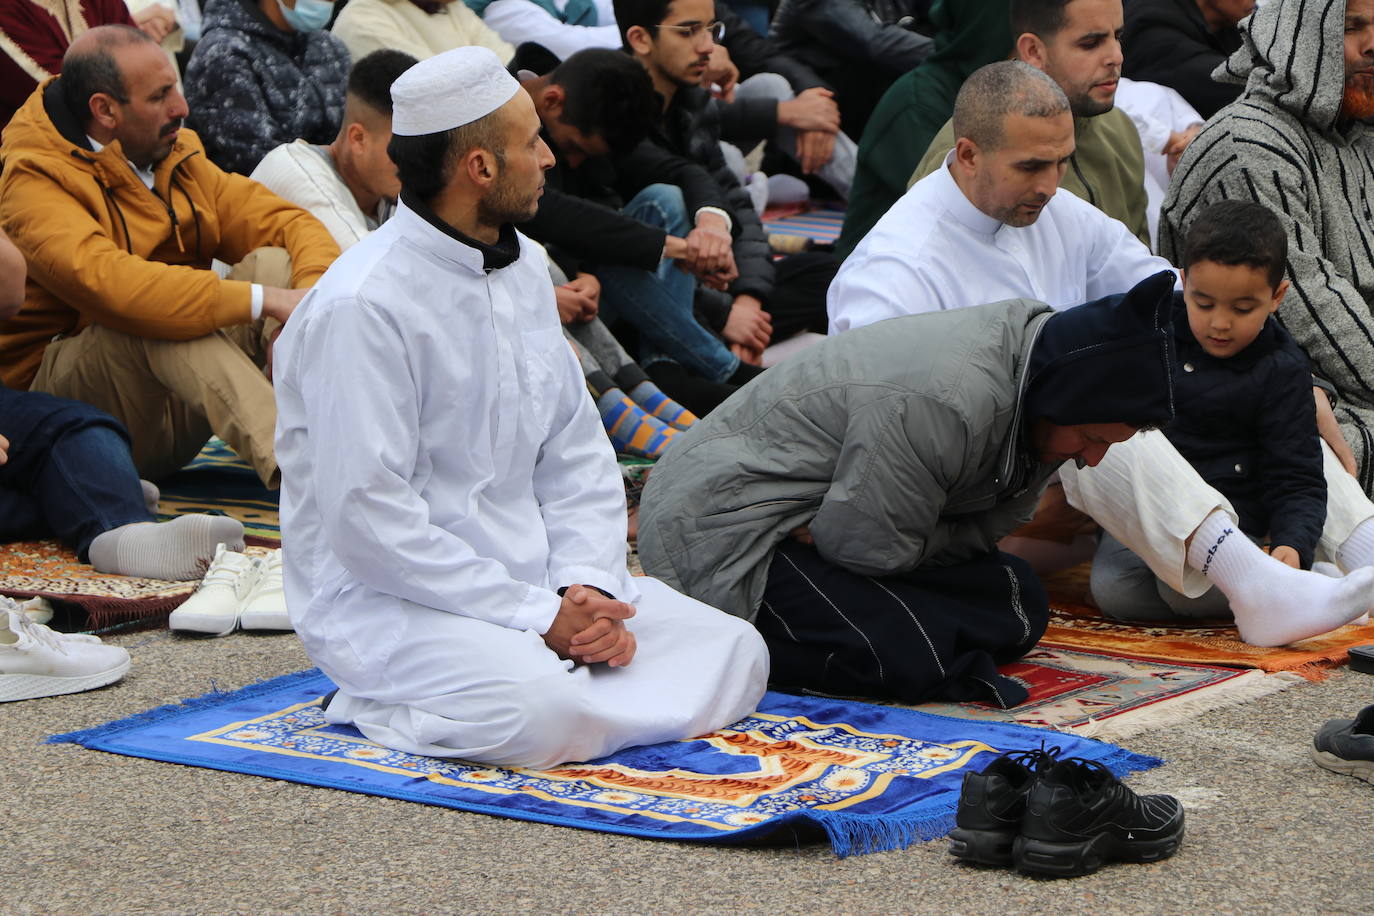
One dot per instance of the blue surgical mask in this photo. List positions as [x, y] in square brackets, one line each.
[308, 16]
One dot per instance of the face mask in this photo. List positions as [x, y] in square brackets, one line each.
[308, 16]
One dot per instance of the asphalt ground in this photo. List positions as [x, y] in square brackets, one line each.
[88, 832]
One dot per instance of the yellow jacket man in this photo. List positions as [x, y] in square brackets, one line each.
[119, 213]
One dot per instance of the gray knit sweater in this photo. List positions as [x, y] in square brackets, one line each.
[1284, 145]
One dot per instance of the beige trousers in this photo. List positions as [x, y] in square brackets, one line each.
[1150, 498]
[172, 395]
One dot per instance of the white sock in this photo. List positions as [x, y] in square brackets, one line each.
[151, 494]
[1358, 549]
[179, 550]
[1274, 604]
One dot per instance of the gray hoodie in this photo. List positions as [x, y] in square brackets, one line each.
[1284, 145]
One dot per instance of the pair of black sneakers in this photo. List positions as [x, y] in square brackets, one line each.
[1060, 817]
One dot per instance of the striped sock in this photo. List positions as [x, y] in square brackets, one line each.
[649, 396]
[632, 431]
[179, 550]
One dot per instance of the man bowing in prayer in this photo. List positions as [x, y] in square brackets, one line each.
[453, 515]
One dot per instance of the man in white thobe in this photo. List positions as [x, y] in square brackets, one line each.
[989, 226]
[452, 514]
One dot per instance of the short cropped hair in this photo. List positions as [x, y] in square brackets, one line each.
[997, 90]
[608, 94]
[1238, 232]
[424, 163]
[86, 73]
[1042, 18]
[646, 14]
[372, 75]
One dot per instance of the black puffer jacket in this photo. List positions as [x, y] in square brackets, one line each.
[1168, 42]
[1249, 427]
[252, 87]
[691, 129]
[831, 34]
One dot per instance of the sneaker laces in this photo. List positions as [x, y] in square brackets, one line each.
[225, 571]
[1037, 760]
[35, 631]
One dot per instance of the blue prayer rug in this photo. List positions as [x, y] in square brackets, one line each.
[872, 777]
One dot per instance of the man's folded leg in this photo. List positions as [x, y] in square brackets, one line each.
[459, 687]
[171, 395]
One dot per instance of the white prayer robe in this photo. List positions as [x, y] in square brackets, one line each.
[934, 250]
[444, 473]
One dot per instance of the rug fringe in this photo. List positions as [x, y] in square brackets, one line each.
[157, 714]
[1249, 686]
[861, 834]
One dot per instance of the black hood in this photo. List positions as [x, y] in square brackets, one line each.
[1108, 361]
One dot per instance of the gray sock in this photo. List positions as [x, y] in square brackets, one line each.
[151, 495]
[178, 550]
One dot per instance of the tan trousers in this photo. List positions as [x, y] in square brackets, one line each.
[1150, 498]
[174, 394]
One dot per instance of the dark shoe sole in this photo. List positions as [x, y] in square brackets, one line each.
[982, 847]
[1069, 860]
[1360, 769]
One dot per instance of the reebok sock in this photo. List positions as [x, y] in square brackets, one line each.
[657, 404]
[178, 550]
[1274, 604]
[632, 431]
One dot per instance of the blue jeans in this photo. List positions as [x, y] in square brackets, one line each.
[659, 303]
[69, 471]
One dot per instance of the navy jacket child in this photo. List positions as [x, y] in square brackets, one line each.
[1244, 415]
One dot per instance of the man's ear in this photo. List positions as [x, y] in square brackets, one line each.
[553, 98]
[1031, 49]
[639, 40]
[481, 166]
[966, 155]
[356, 135]
[103, 112]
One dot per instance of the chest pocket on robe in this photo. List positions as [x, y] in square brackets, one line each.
[545, 369]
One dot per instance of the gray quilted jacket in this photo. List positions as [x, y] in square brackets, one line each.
[898, 443]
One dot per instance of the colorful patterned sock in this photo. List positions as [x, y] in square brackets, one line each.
[649, 396]
[632, 431]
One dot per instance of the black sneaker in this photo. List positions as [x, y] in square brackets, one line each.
[991, 804]
[1079, 816]
[1347, 745]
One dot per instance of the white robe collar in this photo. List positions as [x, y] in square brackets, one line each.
[959, 206]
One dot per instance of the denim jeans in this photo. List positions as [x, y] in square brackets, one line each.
[659, 303]
[69, 471]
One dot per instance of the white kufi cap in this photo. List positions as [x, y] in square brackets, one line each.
[449, 90]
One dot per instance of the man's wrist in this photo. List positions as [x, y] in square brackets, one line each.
[255, 300]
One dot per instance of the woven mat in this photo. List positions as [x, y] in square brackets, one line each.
[1076, 625]
[820, 224]
[218, 481]
[871, 777]
[1110, 696]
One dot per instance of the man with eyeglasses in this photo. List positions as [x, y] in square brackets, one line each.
[674, 42]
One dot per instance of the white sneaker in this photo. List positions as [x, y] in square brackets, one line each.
[38, 662]
[265, 606]
[214, 608]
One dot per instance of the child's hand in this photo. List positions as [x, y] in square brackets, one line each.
[1286, 555]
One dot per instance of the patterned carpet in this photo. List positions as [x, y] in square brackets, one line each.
[820, 224]
[871, 777]
[1074, 624]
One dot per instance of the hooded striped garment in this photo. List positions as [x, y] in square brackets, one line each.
[1284, 144]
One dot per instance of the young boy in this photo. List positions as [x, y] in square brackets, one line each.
[1244, 415]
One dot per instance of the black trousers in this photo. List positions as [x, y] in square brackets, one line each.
[935, 633]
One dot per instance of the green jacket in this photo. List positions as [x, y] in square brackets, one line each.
[1107, 169]
[968, 34]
